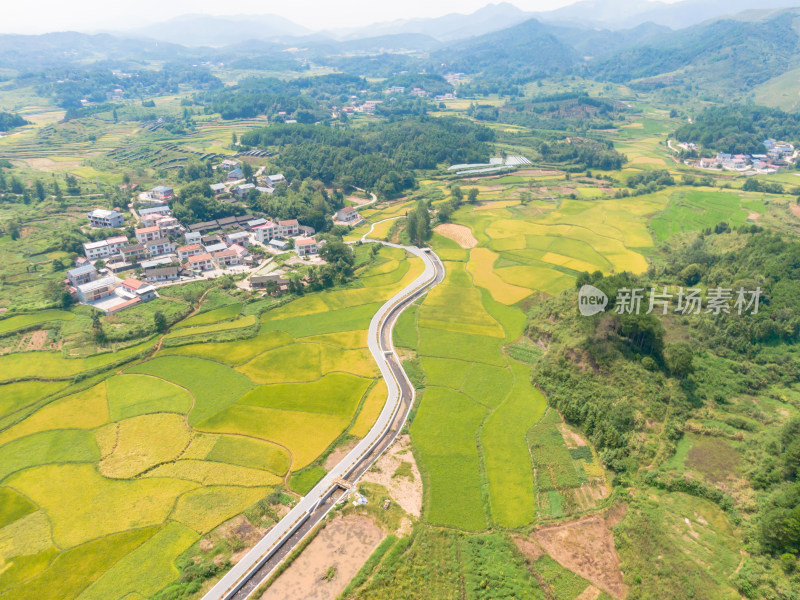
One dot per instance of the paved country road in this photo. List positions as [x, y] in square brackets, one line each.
[256, 566]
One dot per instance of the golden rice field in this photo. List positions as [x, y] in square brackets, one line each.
[105, 483]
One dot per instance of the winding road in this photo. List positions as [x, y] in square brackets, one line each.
[257, 565]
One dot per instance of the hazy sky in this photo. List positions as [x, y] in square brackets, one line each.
[39, 16]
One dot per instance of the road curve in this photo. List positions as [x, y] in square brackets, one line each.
[256, 566]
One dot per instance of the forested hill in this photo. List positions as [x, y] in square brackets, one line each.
[525, 50]
[740, 128]
[723, 55]
[9, 121]
[380, 157]
[647, 387]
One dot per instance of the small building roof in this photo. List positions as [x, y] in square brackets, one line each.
[151, 229]
[132, 248]
[152, 210]
[161, 188]
[98, 284]
[200, 258]
[216, 247]
[160, 271]
[225, 253]
[82, 270]
[287, 222]
[306, 242]
[102, 213]
[190, 248]
[134, 284]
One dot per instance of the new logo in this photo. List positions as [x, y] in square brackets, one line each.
[591, 300]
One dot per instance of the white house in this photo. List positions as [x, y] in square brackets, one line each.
[266, 231]
[306, 246]
[133, 288]
[97, 289]
[102, 218]
[146, 234]
[288, 228]
[273, 180]
[161, 274]
[159, 246]
[184, 252]
[348, 214]
[81, 275]
[104, 248]
[192, 237]
[162, 192]
[239, 237]
[226, 258]
[154, 212]
[244, 189]
[201, 262]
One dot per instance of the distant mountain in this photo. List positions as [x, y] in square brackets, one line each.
[454, 26]
[207, 30]
[70, 47]
[529, 48]
[625, 14]
[728, 55]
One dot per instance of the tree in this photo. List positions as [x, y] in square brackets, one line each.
[66, 299]
[457, 194]
[472, 196]
[247, 171]
[234, 139]
[160, 321]
[691, 274]
[39, 190]
[678, 357]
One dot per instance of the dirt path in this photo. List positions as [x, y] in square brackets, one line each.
[329, 562]
[460, 234]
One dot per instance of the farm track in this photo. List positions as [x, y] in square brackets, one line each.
[262, 560]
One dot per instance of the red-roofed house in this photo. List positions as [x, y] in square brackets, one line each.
[184, 252]
[227, 258]
[201, 262]
[146, 234]
[289, 227]
[266, 232]
[306, 246]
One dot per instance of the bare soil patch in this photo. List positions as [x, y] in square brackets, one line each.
[753, 216]
[329, 562]
[571, 438]
[528, 547]
[338, 454]
[795, 208]
[587, 547]
[537, 173]
[405, 491]
[590, 593]
[37, 339]
[358, 200]
[460, 234]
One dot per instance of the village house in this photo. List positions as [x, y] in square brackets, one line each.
[192, 237]
[105, 219]
[184, 252]
[161, 274]
[281, 245]
[226, 258]
[159, 247]
[97, 289]
[217, 188]
[348, 214]
[153, 213]
[235, 175]
[259, 282]
[244, 189]
[227, 165]
[159, 261]
[162, 192]
[81, 275]
[146, 234]
[201, 262]
[242, 253]
[288, 228]
[133, 288]
[168, 225]
[306, 246]
[218, 247]
[227, 222]
[255, 223]
[266, 232]
[133, 253]
[104, 248]
[273, 180]
[238, 237]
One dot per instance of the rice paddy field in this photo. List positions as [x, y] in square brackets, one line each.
[106, 482]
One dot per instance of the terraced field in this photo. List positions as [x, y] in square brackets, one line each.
[105, 483]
